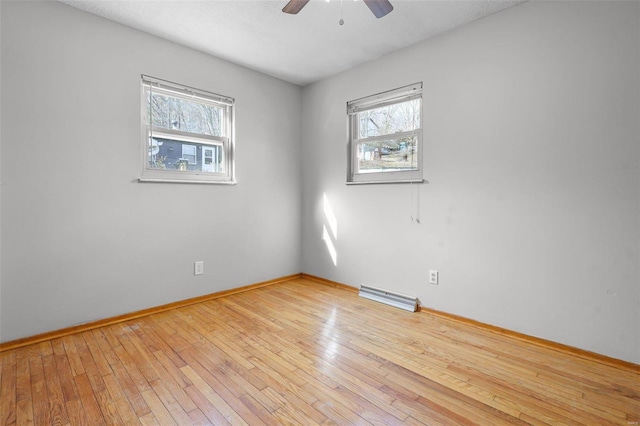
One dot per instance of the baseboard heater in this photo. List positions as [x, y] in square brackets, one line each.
[401, 301]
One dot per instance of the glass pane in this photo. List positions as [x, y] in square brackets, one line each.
[189, 153]
[388, 155]
[171, 154]
[191, 116]
[401, 117]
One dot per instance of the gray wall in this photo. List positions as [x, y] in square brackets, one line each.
[81, 238]
[531, 213]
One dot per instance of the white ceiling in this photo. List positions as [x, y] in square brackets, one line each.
[300, 48]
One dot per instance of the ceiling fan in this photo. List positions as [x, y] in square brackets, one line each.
[379, 7]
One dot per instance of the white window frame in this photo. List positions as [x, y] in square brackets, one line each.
[227, 140]
[396, 96]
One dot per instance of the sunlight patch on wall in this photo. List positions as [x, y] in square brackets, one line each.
[330, 216]
[330, 219]
[330, 247]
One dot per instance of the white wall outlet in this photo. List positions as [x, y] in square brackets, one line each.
[198, 267]
[433, 277]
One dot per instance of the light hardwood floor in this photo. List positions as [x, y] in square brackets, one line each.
[305, 353]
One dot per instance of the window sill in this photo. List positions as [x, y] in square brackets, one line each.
[375, 182]
[210, 182]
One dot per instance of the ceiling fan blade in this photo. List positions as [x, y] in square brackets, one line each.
[379, 7]
[294, 6]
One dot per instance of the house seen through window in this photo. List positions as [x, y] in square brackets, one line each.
[187, 134]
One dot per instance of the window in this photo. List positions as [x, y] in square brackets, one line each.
[187, 134]
[189, 153]
[385, 137]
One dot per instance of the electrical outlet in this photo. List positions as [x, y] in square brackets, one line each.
[198, 267]
[433, 277]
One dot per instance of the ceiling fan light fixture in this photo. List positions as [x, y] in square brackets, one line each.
[379, 8]
[294, 6]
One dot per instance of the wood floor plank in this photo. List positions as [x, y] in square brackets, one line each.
[131, 368]
[291, 390]
[208, 409]
[88, 397]
[372, 397]
[172, 369]
[76, 413]
[300, 352]
[212, 396]
[149, 419]
[223, 369]
[197, 418]
[104, 345]
[130, 389]
[258, 409]
[24, 412]
[89, 365]
[176, 409]
[338, 414]
[40, 404]
[64, 372]
[162, 341]
[56, 402]
[295, 412]
[139, 355]
[8, 388]
[99, 355]
[108, 407]
[72, 355]
[223, 389]
[23, 375]
[228, 343]
[174, 387]
[334, 400]
[119, 397]
[158, 409]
